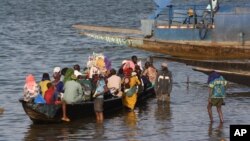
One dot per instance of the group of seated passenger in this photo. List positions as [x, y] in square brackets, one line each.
[70, 86]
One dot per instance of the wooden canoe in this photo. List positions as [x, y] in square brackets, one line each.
[44, 113]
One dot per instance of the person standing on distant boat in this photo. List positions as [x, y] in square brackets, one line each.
[163, 84]
[214, 8]
[217, 87]
[31, 88]
[214, 4]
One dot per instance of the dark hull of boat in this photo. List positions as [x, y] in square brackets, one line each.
[236, 77]
[41, 113]
[196, 50]
[74, 111]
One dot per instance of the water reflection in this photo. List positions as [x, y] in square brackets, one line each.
[163, 111]
[64, 136]
[131, 119]
[51, 132]
[99, 131]
[216, 133]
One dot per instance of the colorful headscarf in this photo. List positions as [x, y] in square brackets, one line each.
[128, 64]
[107, 63]
[30, 83]
[68, 75]
[213, 76]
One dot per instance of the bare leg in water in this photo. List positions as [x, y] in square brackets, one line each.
[64, 110]
[209, 109]
[99, 116]
[220, 113]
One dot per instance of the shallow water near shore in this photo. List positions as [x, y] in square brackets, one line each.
[36, 36]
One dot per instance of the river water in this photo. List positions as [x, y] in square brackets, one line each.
[37, 35]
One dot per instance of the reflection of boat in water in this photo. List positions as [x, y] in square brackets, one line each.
[40, 113]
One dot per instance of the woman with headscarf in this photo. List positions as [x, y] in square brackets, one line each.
[130, 84]
[73, 94]
[68, 75]
[43, 83]
[217, 87]
[31, 89]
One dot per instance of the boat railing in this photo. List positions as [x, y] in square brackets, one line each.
[188, 16]
[171, 17]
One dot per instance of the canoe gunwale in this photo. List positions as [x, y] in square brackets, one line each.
[76, 111]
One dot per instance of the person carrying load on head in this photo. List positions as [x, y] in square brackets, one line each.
[163, 84]
[217, 90]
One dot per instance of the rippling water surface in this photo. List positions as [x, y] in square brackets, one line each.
[37, 35]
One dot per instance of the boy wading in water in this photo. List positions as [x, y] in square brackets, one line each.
[99, 98]
[217, 87]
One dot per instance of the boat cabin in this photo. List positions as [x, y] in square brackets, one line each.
[226, 23]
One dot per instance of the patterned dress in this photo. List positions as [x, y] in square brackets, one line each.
[29, 95]
[130, 101]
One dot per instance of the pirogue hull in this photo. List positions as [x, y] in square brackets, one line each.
[44, 113]
[237, 77]
[201, 50]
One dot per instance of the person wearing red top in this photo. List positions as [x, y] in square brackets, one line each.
[49, 95]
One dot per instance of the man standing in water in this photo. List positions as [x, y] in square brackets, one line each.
[163, 84]
[217, 86]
